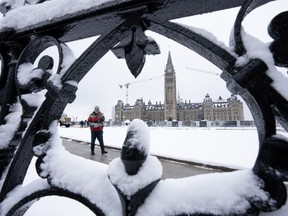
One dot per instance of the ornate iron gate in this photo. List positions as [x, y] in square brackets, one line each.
[121, 26]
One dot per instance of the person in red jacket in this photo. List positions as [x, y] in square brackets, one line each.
[95, 121]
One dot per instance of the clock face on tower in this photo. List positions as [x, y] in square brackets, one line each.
[169, 70]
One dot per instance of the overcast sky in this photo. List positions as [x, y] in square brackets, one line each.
[101, 85]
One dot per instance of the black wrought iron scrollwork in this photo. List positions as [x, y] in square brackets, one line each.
[10, 54]
[35, 80]
[278, 30]
[121, 26]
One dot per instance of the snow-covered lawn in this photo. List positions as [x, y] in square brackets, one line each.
[231, 147]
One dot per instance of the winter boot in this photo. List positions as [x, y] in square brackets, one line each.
[92, 152]
[103, 152]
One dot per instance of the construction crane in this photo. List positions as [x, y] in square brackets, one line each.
[126, 85]
[202, 71]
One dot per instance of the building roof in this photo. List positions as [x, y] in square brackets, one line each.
[169, 60]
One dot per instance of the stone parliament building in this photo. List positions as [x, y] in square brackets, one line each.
[174, 110]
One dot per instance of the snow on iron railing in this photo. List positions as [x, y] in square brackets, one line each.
[20, 14]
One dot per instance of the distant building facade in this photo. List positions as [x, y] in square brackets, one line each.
[173, 109]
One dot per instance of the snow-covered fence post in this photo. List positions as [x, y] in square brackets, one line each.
[137, 173]
[35, 93]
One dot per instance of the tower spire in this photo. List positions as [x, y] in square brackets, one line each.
[169, 65]
[169, 60]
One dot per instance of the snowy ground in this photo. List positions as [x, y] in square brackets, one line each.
[235, 148]
[230, 147]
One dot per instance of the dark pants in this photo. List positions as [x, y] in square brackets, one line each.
[99, 136]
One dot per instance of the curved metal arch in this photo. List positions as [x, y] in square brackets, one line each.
[196, 42]
[24, 204]
[245, 9]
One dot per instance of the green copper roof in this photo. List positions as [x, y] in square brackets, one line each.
[169, 60]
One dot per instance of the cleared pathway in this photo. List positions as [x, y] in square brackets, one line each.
[171, 168]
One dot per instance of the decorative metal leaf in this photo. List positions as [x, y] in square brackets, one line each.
[134, 47]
